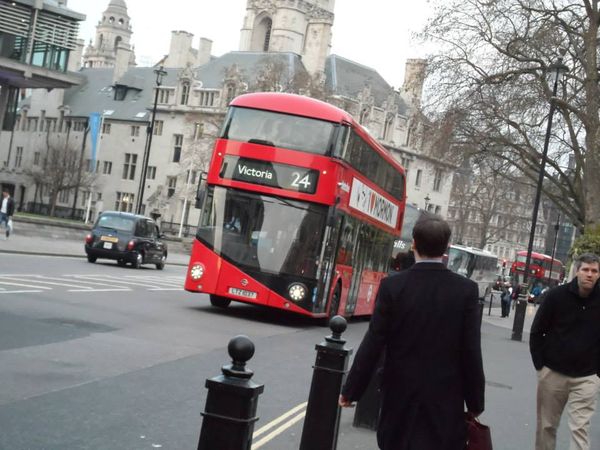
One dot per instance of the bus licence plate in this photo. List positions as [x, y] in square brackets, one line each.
[242, 292]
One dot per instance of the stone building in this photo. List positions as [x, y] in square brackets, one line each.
[284, 45]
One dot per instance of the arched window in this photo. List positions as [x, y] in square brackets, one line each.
[121, 21]
[117, 41]
[230, 94]
[266, 24]
[111, 20]
[387, 127]
[364, 115]
[185, 92]
[100, 41]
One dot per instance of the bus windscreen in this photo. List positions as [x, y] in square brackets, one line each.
[263, 233]
[279, 130]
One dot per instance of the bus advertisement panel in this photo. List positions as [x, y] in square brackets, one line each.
[299, 211]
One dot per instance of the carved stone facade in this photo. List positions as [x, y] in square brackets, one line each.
[113, 35]
[298, 26]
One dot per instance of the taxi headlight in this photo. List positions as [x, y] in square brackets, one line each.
[197, 271]
[297, 292]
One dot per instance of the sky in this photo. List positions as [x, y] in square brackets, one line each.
[378, 36]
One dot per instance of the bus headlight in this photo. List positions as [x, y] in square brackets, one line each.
[196, 271]
[297, 292]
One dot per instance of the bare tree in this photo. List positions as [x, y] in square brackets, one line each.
[59, 172]
[481, 199]
[493, 76]
[274, 75]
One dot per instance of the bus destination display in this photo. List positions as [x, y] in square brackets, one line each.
[266, 173]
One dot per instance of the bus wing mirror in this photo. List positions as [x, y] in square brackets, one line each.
[332, 216]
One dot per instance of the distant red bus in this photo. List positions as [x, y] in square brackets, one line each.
[300, 209]
[543, 270]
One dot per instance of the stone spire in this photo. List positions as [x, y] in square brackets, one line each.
[113, 33]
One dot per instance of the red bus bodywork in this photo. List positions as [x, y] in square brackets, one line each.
[542, 269]
[381, 215]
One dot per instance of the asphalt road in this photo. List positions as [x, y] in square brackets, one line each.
[95, 356]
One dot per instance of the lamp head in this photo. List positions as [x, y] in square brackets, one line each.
[160, 74]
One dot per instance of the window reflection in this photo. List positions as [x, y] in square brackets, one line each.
[263, 233]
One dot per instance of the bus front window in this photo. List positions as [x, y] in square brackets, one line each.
[279, 130]
[257, 232]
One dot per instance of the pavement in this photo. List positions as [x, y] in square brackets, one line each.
[511, 379]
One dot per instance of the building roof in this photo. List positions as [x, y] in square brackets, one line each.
[249, 65]
[348, 78]
[97, 94]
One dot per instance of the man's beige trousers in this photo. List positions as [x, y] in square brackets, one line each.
[556, 390]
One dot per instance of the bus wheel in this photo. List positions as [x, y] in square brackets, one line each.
[218, 301]
[335, 301]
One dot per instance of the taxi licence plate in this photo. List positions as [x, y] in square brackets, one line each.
[108, 245]
[109, 239]
[242, 293]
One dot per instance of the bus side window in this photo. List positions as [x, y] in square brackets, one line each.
[345, 250]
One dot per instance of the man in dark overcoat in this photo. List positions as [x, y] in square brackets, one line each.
[426, 320]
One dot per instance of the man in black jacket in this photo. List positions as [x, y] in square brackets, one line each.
[7, 209]
[426, 319]
[565, 348]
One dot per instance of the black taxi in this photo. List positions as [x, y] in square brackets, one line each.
[126, 238]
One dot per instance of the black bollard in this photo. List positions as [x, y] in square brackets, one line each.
[520, 310]
[322, 418]
[230, 410]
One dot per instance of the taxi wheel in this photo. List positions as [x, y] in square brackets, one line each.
[91, 258]
[121, 262]
[161, 264]
[137, 263]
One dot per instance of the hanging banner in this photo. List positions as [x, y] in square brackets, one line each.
[95, 122]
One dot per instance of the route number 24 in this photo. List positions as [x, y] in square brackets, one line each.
[301, 182]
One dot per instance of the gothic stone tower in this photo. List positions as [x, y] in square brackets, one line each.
[112, 44]
[298, 26]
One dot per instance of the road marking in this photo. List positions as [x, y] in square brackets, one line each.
[45, 282]
[278, 420]
[166, 289]
[100, 290]
[111, 280]
[26, 285]
[258, 444]
[17, 292]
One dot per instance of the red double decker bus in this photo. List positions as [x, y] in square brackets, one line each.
[543, 269]
[299, 211]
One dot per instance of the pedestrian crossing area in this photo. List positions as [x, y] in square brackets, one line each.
[87, 283]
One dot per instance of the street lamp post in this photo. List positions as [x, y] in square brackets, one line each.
[558, 68]
[556, 228]
[160, 73]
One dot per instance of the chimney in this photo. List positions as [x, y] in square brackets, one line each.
[204, 51]
[181, 44]
[414, 78]
[121, 62]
